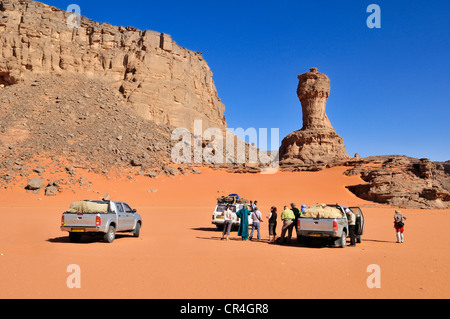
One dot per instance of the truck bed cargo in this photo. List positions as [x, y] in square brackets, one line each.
[330, 224]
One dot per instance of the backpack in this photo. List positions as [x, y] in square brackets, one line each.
[400, 224]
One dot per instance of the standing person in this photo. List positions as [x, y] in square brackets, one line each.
[288, 217]
[304, 207]
[351, 226]
[228, 216]
[255, 204]
[272, 223]
[243, 226]
[257, 220]
[399, 225]
[251, 206]
[297, 215]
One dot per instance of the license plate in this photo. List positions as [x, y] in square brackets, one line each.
[219, 217]
[78, 230]
[315, 235]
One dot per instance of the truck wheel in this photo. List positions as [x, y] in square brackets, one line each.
[110, 235]
[75, 237]
[137, 230]
[343, 240]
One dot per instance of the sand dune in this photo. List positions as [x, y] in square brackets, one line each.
[180, 255]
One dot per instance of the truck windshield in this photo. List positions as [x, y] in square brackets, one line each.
[221, 208]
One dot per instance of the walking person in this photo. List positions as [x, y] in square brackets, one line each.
[228, 223]
[351, 226]
[272, 224]
[399, 225]
[243, 215]
[288, 217]
[257, 220]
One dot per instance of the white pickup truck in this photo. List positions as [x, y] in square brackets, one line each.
[218, 220]
[100, 217]
[333, 230]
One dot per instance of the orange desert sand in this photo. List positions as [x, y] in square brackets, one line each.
[180, 255]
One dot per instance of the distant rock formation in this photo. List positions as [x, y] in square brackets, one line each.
[317, 144]
[162, 81]
[402, 181]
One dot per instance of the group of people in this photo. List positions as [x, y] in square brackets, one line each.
[251, 212]
[290, 217]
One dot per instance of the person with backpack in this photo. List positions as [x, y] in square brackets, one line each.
[399, 225]
[257, 220]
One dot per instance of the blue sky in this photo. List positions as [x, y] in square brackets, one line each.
[389, 86]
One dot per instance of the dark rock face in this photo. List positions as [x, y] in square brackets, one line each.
[404, 182]
[317, 144]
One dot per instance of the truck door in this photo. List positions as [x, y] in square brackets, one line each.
[121, 217]
[130, 218]
[359, 220]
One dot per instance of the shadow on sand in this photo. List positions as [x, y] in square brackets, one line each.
[86, 239]
[379, 241]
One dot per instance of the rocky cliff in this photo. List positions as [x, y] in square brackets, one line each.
[162, 81]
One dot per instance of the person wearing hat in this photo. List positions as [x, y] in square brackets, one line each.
[399, 225]
[304, 207]
[351, 226]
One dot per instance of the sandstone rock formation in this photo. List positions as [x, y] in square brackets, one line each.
[403, 181]
[162, 81]
[317, 144]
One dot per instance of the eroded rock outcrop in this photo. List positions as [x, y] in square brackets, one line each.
[164, 82]
[403, 181]
[317, 144]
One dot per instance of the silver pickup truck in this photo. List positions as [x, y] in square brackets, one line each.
[118, 217]
[333, 230]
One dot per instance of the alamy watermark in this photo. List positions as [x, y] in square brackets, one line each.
[374, 20]
[212, 146]
[374, 280]
[74, 279]
[74, 20]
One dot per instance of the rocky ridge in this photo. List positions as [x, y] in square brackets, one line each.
[402, 181]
